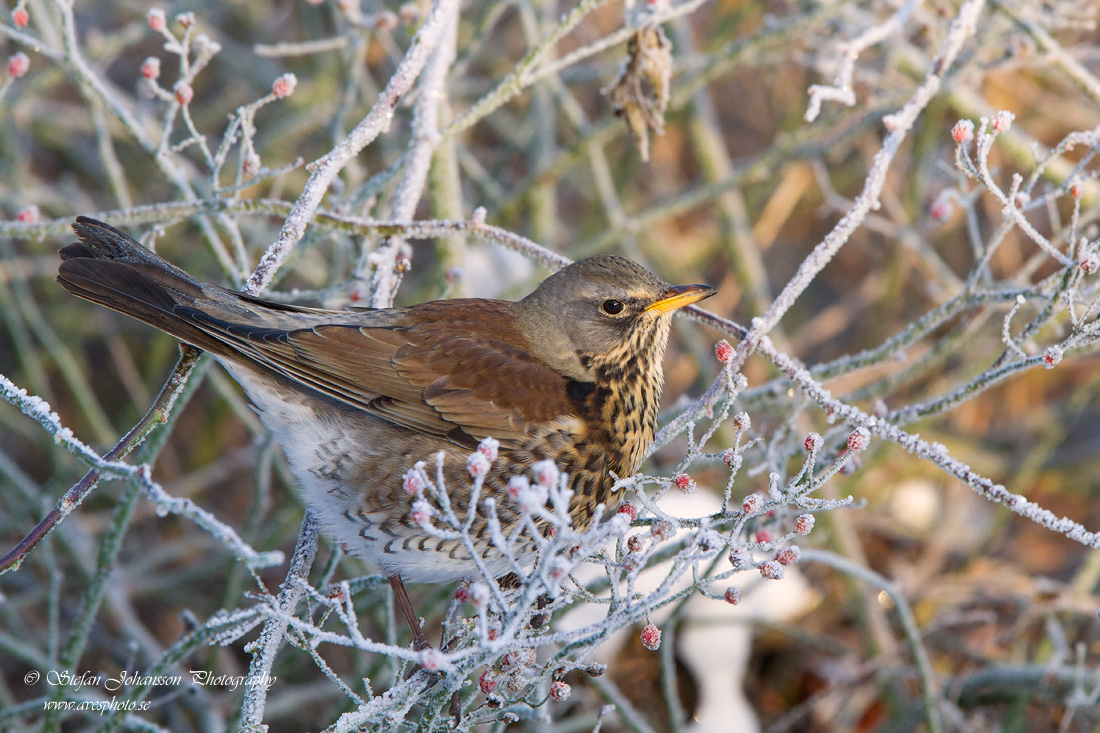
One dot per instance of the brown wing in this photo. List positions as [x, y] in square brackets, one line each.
[457, 369]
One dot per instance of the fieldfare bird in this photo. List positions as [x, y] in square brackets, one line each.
[572, 373]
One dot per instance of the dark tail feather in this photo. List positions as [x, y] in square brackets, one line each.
[109, 268]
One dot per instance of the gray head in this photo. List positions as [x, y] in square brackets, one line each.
[600, 310]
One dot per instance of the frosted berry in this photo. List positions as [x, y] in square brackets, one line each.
[18, 64]
[1052, 357]
[941, 209]
[1090, 263]
[629, 510]
[421, 512]
[20, 17]
[733, 595]
[560, 691]
[184, 93]
[729, 457]
[685, 483]
[812, 443]
[804, 524]
[517, 485]
[741, 421]
[156, 20]
[490, 448]
[477, 464]
[413, 483]
[788, 555]
[739, 558]
[1002, 121]
[662, 530]
[284, 85]
[752, 503]
[546, 473]
[479, 594]
[858, 440]
[432, 659]
[723, 351]
[771, 570]
[651, 637]
[150, 68]
[963, 131]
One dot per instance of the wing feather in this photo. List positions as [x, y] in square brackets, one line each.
[458, 369]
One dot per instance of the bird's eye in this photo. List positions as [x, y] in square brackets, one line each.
[612, 307]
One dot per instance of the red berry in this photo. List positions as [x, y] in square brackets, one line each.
[184, 92]
[684, 483]
[729, 457]
[963, 131]
[651, 637]
[150, 68]
[741, 421]
[412, 482]
[490, 448]
[1052, 357]
[283, 86]
[771, 570]
[156, 19]
[788, 555]
[20, 17]
[18, 64]
[662, 530]
[487, 682]
[477, 464]
[629, 510]
[560, 691]
[1090, 263]
[1002, 121]
[858, 440]
[723, 351]
[733, 595]
[804, 524]
[941, 209]
[812, 443]
[421, 512]
[432, 659]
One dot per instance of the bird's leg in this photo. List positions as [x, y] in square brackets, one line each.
[419, 642]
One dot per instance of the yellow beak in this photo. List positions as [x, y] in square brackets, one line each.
[679, 296]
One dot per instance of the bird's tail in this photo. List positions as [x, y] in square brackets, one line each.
[109, 268]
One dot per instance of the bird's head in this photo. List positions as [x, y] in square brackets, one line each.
[601, 312]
